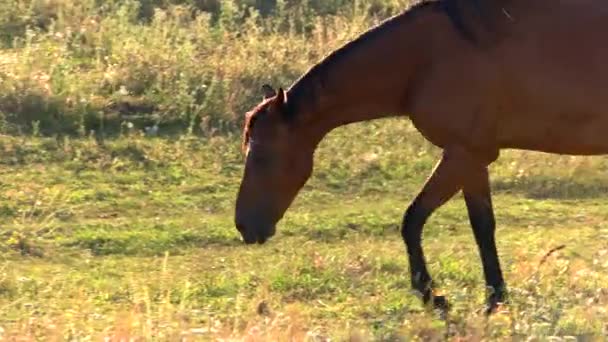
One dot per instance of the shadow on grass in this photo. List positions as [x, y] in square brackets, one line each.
[542, 187]
[135, 246]
[143, 243]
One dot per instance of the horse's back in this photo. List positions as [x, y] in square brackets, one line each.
[559, 53]
[555, 78]
[540, 84]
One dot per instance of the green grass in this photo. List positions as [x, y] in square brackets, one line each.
[135, 239]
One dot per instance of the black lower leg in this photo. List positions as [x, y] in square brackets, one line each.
[421, 281]
[482, 220]
[443, 183]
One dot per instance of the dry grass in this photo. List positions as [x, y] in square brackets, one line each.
[91, 67]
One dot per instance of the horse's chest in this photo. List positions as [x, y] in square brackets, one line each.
[446, 112]
[474, 128]
[434, 129]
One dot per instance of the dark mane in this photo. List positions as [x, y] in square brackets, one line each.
[453, 9]
[472, 17]
[371, 34]
[249, 120]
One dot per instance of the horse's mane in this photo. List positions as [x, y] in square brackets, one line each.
[384, 27]
[249, 120]
[473, 18]
[478, 10]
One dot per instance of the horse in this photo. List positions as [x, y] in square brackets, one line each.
[474, 77]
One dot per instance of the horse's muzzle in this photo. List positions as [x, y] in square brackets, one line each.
[258, 234]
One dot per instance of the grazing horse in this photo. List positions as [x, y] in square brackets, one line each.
[474, 77]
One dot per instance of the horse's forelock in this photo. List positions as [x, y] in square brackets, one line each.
[249, 120]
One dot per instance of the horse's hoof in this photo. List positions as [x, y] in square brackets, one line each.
[440, 303]
[495, 308]
[434, 302]
[497, 299]
[490, 309]
[441, 306]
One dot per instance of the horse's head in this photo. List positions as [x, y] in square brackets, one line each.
[279, 161]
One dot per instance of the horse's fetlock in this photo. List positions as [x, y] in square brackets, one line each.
[497, 294]
[422, 286]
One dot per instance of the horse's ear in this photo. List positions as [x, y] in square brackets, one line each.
[268, 91]
[281, 97]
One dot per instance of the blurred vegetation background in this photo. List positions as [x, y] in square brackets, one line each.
[82, 66]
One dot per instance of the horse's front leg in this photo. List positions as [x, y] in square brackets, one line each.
[481, 214]
[448, 177]
[443, 183]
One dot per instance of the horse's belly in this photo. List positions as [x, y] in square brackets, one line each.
[587, 136]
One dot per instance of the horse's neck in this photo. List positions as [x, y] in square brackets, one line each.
[371, 81]
[340, 107]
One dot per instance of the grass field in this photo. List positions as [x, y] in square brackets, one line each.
[134, 239]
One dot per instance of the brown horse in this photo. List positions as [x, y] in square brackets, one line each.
[473, 76]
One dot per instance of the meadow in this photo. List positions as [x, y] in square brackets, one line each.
[120, 161]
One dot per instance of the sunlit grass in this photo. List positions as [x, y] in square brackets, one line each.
[135, 239]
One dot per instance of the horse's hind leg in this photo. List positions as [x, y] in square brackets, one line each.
[445, 181]
[481, 214]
